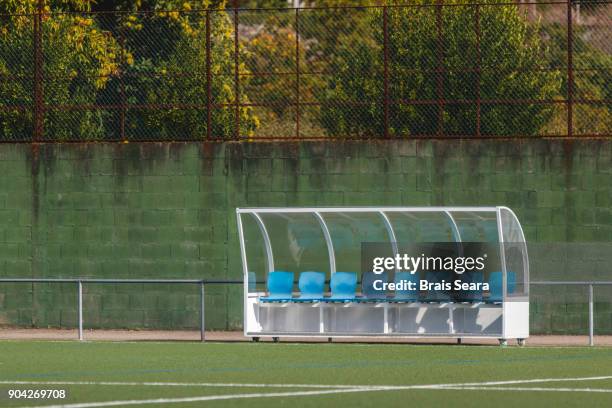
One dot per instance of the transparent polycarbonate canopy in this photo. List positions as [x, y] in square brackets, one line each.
[329, 239]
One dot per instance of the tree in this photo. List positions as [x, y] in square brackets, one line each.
[511, 57]
[79, 59]
[253, 4]
[169, 73]
[145, 69]
[272, 52]
[272, 48]
[591, 82]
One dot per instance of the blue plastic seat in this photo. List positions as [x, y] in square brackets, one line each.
[370, 294]
[312, 286]
[438, 295]
[471, 295]
[343, 286]
[406, 295]
[280, 287]
[496, 285]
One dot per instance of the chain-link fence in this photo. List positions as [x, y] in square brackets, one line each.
[492, 69]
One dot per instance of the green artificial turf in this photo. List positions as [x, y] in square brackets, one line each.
[287, 363]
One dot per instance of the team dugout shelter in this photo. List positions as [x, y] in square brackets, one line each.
[304, 276]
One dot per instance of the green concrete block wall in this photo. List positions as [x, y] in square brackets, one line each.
[167, 211]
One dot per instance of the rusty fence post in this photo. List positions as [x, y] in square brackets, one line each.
[297, 72]
[208, 79]
[39, 108]
[440, 70]
[123, 109]
[386, 69]
[236, 71]
[570, 71]
[478, 69]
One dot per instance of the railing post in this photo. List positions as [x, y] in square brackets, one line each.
[202, 315]
[80, 308]
[591, 316]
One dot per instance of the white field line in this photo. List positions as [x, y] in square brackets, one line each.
[175, 384]
[532, 381]
[308, 393]
[205, 398]
[330, 386]
[473, 388]
[482, 386]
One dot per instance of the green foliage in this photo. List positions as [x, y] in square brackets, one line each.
[273, 50]
[31, 6]
[252, 4]
[591, 82]
[154, 56]
[79, 58]
[173, 72]
[157, 5]
[511, 57]
[163, 60]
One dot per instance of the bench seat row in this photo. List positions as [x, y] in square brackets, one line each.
[343, 288]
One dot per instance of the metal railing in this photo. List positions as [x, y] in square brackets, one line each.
[203, 283]
[589, 285]
[314, 72]
[80, 282]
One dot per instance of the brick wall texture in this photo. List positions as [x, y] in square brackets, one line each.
[168, 211]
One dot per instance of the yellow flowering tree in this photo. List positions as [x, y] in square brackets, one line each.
[144, 69]
[78, 58]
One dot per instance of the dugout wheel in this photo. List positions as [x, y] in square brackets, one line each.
[520, 342]
[503, 342]
[275, 339]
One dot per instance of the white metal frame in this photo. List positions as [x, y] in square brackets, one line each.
[514, 314]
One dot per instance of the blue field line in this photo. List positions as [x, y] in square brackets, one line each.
[318, 366]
